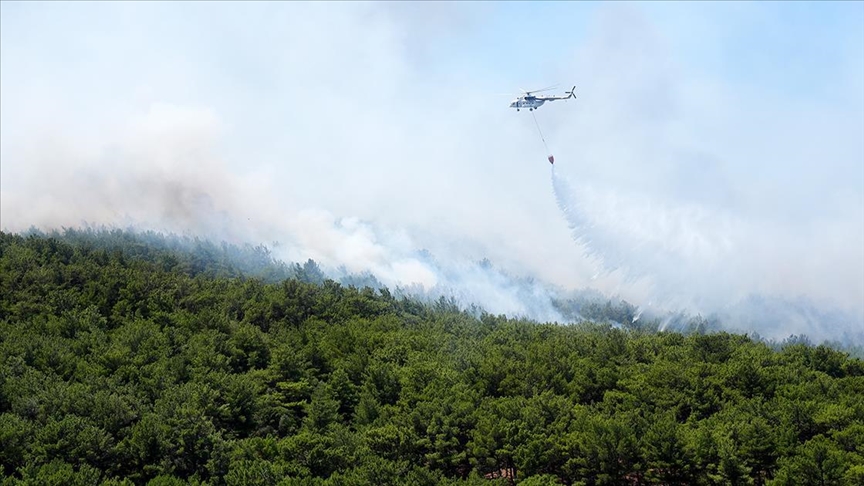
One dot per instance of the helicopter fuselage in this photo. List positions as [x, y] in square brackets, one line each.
[530, 103]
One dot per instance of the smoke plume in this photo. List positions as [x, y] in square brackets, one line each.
[697, 169]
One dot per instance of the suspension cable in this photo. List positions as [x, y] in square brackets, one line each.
[540, 131]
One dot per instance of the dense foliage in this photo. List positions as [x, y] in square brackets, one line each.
[127, 363]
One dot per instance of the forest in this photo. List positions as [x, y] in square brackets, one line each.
[131, 359]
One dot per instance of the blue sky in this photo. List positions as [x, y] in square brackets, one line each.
[289, 117]
[796, 48]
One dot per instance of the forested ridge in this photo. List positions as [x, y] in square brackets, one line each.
[128, 362]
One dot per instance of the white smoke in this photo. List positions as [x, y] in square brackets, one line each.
[359, 135]
[689, 256]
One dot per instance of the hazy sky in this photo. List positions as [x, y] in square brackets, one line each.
[715, 148]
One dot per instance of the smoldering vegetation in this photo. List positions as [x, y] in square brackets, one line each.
[480, 288]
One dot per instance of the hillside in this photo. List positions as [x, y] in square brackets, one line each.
[138, 359]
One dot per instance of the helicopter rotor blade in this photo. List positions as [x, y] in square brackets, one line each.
[539, 90]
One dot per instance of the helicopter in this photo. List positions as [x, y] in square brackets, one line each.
[532, 102]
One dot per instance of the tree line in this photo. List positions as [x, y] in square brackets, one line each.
[128, 361]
